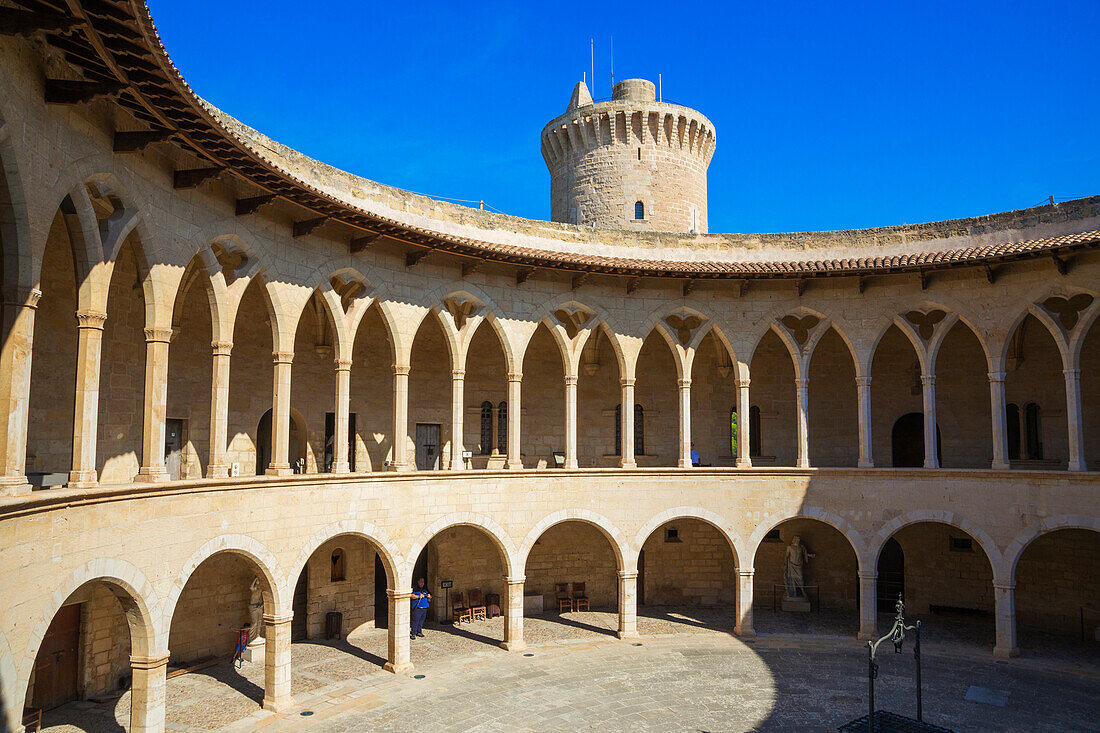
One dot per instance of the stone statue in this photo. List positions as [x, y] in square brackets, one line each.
[793, 568]
[256, 613]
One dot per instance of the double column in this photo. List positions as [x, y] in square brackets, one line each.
[685, 423]
[86, 413]
[626, 418]
[340, 439]
[280, 415]
[15, 390]
[152, 468]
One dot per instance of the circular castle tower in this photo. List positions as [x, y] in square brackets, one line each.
[629, 163]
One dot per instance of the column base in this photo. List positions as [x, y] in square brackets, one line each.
[401, 467]
[341, 467]
[513, 646]
[82, 480]
[802, 463]
[217, 472]
[628, 464]
[279, 471]
[865, 464]
[1006, 652]
[683, 464]
[280, 705]
[518, 466]
[628, 635]
[12, 485]
[1076, 466]
[152, 474]
[744, 633]
[931, 464]
[458, 465]
[398, 668]
[571, 463]
[743, 464]
[864, 636]
[999, 467]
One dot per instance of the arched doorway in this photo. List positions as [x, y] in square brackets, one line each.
[297, 451]
[907, 441]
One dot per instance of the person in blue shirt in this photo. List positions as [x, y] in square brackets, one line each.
[694, 456]
[421, 599]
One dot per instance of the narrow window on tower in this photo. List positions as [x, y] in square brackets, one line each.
[639, 210]
[639, 153]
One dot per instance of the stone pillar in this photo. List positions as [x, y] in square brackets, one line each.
[685, 422]
[868, 604]
[277, 663]
[219, 410]
[400, 621]
[340, 463]
[931, 454]
[280, 415]
[458, 383]
[513, 615]
[1000, 427]
[156, 405]
[863, 396]
[147, 693]
[802, 419]
[626, 418]
[515, 384]
[15, 390]
[744, 436]
[400, 460]
[1074, 420]
[628, 604]
[1004, 595]
[743, 627]
[571, 421]
[86, 415]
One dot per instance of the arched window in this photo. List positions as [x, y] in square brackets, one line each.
[733, 432]
[1033, 425]
[754, 431]
[1012, 430]
[639, 430]
[639, 210]
[486, 427]
[619, 429]
[337, 571]
[502, 428]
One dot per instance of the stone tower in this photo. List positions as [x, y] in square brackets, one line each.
[629, 163]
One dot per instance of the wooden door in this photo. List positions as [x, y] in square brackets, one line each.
[55, 667]
[427, 446]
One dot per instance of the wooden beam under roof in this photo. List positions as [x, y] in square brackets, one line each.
[132, 142]
[16, 22]
[414, 257]
[523, 274]
[358, 244]
[78, 91]
[252, 204]
[308, 226]
[190, 178]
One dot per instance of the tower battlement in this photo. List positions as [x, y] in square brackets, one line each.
[630, 162]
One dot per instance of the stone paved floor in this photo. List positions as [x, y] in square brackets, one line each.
[688, 673]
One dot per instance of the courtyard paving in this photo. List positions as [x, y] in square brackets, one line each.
[686, 673]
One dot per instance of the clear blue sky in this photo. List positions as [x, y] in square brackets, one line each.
[828, 115]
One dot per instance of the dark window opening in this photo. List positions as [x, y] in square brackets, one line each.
[773, 536]
[1012, 429]
[639, 207]
[672, 535]
[961, 544]
[639, 430]
[754, 431]
[1033, 420]
[486, 428]
[502, 427]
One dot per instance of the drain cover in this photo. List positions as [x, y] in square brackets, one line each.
[418, 676]
[306, 713]
[528, 655]
[636, 644]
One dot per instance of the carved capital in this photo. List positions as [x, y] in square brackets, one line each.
[928, 380]
[570, 380]
[1072, 374]
[342, 365]
[746, 573]
[628, 574]
[627, 381]
[458, 374]
[222, 348]
[802, 384]
[863, 382]
[514, 581]
[515, 376]
[24, 298]
[996, 377]
[282, 357]
[277, 619]
[401, 370]
[744, 383]
[91, 319]
[683, 383]
[159, 335]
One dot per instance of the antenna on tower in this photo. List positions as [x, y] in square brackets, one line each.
[612, 64]
[592, 63]
[660, 89]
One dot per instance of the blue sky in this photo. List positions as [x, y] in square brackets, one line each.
[829, 115]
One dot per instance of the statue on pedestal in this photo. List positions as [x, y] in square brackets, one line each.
[256, 614]
[793, 568]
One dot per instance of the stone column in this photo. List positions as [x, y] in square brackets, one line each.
[743, 627]
[513, 615]
[400, 460]
[147, 693]
[340, 463]
[398, 633]
[219, 410]
[802, 419]
[156, 405]
[868, 604]
[863, 396]
[277, 663]
[628, 604]
[1074, 420]
[571, 421]
[515, 384]
[1004, 595]
[997, 413]
[931, 455]
[15, 390]
[626, 418]
[86, 415]
[280, 415]
[685, 422]
[744, 436]
[458, 383]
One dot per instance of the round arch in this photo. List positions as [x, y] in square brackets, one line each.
[488, 525]
[889, 529]
[720, 523]
[626, 556]
[1006, 569]
[373, 534]
[855, 541]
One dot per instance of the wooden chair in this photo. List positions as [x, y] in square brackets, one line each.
[32, 718]
[580, 600]
[477, 605]
[565, 603]
[460, 612]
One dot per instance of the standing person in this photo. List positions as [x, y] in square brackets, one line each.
[421, 599]
[695, 460]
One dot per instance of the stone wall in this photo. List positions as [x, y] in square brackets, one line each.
[105, 642]
[573, 552]
[936, 575]
[696, 569]
[468, 558]
[833, 404]
[1056, 578]
[214, 604]
[190, 370]
[353, 596]
[833, 569]
[772, 389]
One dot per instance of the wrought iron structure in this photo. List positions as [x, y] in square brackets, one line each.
[896, 636]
